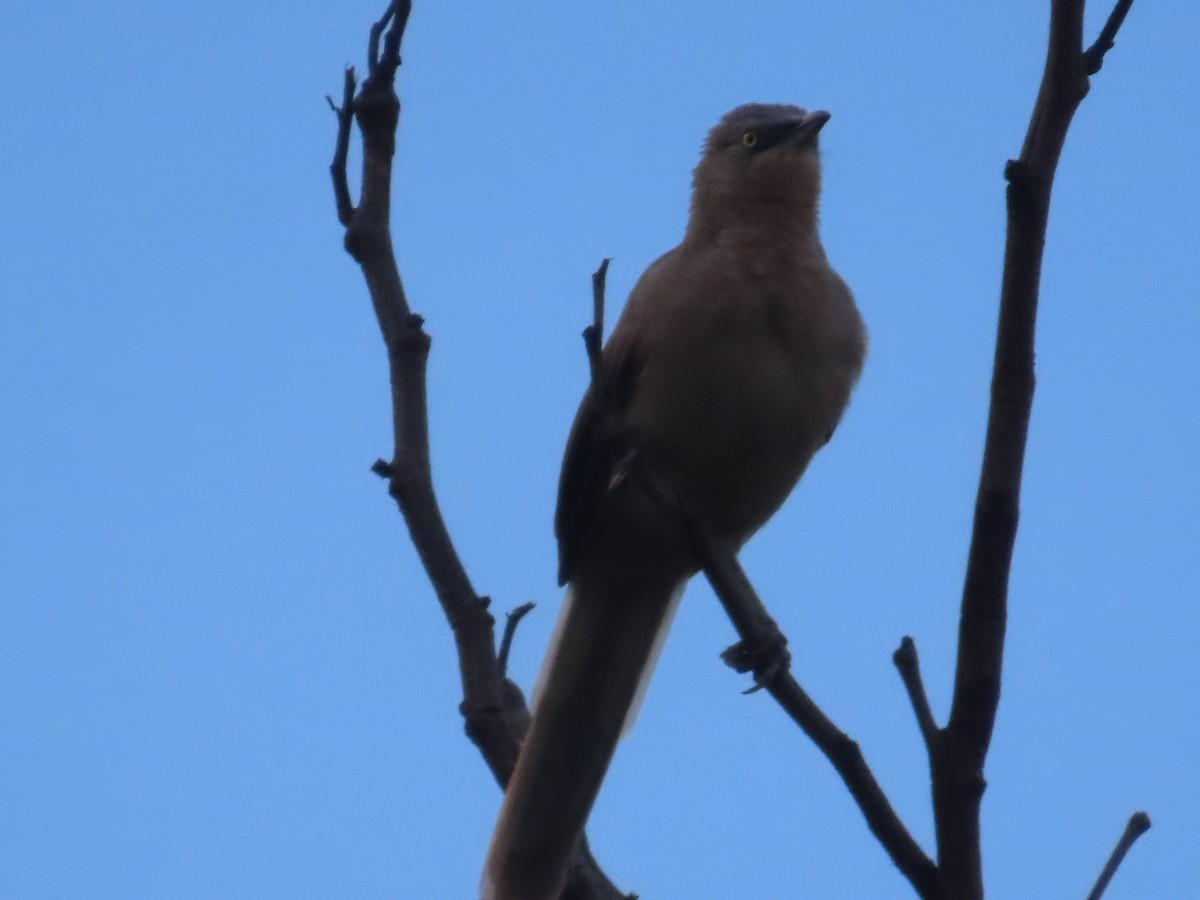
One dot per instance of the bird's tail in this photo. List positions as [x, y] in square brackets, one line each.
[604, 648]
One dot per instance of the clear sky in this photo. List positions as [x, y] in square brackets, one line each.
[222, 672]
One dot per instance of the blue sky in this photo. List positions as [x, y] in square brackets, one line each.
[223, 672]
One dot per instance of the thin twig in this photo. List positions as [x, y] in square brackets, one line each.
[599, 281]
[909, 667]
[1107, 39]
[341, 150]
[1139, 824]
[593, 335]
[511, 621]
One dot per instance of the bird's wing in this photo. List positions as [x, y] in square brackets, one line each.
[597, 443]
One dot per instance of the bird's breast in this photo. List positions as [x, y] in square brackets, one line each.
[750, 386]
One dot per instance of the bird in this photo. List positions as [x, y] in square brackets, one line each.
[730, 366]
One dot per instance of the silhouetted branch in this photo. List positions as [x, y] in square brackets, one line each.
[764, 648]
[368, 240]
[493, 708]
[1139, 824]
[958, 782]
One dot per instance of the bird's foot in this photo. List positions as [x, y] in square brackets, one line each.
[766, 657]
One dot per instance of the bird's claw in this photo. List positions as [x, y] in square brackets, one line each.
[766, 658]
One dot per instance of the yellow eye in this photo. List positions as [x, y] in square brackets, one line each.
[749, 139]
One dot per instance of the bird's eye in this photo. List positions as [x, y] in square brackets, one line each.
[749, 139]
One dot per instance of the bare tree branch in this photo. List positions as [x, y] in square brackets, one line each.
[958, 782]
[763, 650]
[1138, 824]
[368, 240]
[493, 708]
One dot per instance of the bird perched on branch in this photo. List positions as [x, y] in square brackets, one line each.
[729, 368]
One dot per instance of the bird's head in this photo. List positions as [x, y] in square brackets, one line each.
[760, 160]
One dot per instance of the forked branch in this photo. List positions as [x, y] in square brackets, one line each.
[962, 747]
[493, 708]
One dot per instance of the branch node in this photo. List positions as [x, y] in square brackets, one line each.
[413, 338]
[383, 468]
[977, 784]
[1093, 56]
[1020, 174]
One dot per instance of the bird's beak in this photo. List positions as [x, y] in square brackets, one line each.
[806, 131]
[800, 132]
